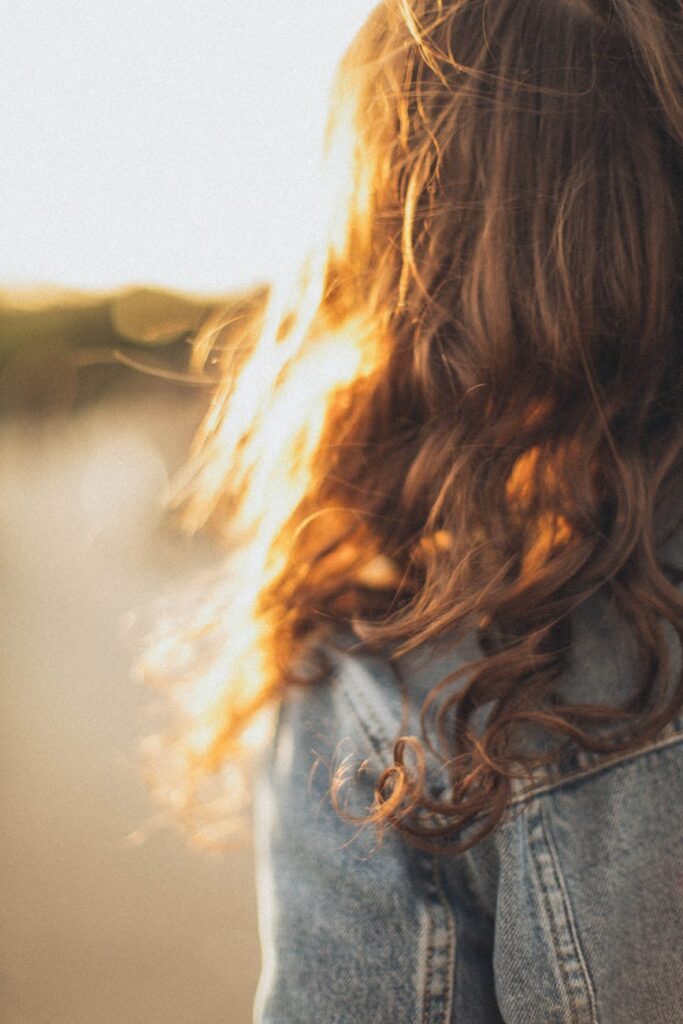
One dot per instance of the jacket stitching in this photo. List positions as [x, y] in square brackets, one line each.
[604, 764]
[440, 954]
[580, 964]
[439, 966]
[370, 718]
[561, 933]
[374, 735]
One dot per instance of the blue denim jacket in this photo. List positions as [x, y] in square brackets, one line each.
[572, 911]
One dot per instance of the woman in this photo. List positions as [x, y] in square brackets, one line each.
[448, 470]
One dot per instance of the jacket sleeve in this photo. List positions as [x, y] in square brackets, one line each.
[350, 931]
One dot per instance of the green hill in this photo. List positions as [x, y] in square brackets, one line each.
[60, 348]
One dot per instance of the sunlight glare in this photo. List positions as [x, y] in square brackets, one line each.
[180, 150]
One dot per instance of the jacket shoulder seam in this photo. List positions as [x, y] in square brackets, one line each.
[584, 771]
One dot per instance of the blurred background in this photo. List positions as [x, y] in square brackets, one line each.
[159, 162]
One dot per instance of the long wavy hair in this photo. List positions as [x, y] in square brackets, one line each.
[464, 411]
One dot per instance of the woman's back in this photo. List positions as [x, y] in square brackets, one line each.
[572, 911]
[445, 472]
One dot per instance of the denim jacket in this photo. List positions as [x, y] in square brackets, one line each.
[571, 912]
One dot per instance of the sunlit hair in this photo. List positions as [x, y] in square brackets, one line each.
[464, 416]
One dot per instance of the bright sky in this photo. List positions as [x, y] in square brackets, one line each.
[159, 141]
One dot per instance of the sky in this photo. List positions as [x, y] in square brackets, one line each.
[160, 142]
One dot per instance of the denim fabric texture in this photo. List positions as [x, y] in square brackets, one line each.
[571, 912]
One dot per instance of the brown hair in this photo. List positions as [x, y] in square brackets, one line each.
[466, 416]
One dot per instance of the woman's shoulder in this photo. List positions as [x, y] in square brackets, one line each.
[371, 699]
[583, 873]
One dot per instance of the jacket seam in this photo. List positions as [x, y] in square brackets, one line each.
[374, 734]
[579, 956]
[604, 764]
[560, 923]
[441, 941]
[441, 946]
